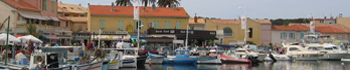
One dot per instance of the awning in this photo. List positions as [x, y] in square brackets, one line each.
[52, 37]
[34, 16]
[204, 37]
[157, 39]
[54, 19]
[65, 37]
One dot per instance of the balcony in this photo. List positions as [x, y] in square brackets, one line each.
[45, 27]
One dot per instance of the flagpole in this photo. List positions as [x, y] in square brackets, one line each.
[7, 39]
[186, 37]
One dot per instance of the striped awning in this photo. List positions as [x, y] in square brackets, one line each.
[52, 37]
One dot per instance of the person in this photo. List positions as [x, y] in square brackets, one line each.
[57, 44]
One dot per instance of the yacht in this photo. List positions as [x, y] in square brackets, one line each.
[299, 53]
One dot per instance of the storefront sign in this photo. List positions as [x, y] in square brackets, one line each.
[178, 31]
[111, 32]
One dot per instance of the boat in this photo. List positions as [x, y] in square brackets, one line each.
[228, 59]
[209, 60]
[129, 56]
[245, 54]
[299, 53]
[182, 57]
[155, 58]
[345, 59]
[273, 56]
[114, 60]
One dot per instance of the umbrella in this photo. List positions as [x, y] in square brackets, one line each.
[18, 36]
[11, 38]
[30, 38]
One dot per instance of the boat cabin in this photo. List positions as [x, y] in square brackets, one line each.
[44, 59]
[182, 53]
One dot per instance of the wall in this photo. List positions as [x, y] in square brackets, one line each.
[266, 34]
[112, 22]
[238, 33]
[79, 25]
[5, 10]
[197, 26]
[344, 21]
[276, 35]
[345, 36]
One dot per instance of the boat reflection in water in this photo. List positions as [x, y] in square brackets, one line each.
[279, 65]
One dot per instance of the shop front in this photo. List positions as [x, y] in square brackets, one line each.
[109, 38]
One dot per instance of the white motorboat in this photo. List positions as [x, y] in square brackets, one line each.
[300, 53]
[243, 53]
[277, 57]
[345, 59]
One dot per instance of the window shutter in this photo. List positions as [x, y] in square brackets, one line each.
[301, 35]
[281, 35]
[286, 35]
[167, 25]
[135, 25]
[155, 24]
[120, 26]
[293, 35]
[53, 6]
[102, 24]
[178, 25]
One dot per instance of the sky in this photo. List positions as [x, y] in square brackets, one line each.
[271, 9]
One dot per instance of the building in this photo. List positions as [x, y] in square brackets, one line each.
[325, 20]
[119, 19]
[266, 35]
[40, 13]
[293, 32]
[231, 32]
[78, 16]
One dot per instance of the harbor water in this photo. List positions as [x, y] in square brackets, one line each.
[279, 65]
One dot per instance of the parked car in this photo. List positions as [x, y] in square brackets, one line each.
[146, 48]
[165, 50]
[197, 50]
[219, 50]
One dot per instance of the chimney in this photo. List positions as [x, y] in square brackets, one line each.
[325, 17]
[153, 7]
[340, 15]
[112, 9]
[143, 9]
[79, 4]
[195, 18]
[88, 4]
[174, 7]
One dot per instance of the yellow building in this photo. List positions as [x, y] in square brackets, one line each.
[120, 18]
[228, 31]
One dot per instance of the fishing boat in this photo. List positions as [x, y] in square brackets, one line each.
[155, 58]
[209, 60]
[228, 59]
[114, 60]
[129, 56]
[182, 57]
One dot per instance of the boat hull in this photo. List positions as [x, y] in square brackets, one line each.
[129, 63]
[180, 60]
[306, 57]
[155, 61]
[278, 57]
[333, 56]
[114, 65]
[345, 59]
[228, 59]
[209, 60]
[92, 66]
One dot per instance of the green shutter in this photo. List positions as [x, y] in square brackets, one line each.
[167, 25]
[102, 24]
[135, 24]
[120, 24]
[44, 4]
[178, 25]
[155, 24]
[281, 35]
[293, 35]
[286, 35]
[53, 6]
[301, 35]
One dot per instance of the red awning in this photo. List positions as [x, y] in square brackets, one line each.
[18, 36]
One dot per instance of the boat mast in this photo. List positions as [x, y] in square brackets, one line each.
[7, 38]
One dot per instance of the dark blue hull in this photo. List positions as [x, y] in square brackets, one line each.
[180, 60]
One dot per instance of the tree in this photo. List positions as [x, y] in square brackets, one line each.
[168, 3]
[148, 2]
[31, 30]
[123, 3]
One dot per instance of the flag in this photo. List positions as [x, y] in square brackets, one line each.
[312, 26]
[136, 11]
[243, 22]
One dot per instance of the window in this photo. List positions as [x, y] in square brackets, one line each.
[167, 24]
[284, 35]
[136, 24]
[44, 5]
[102, 24]
[340, 37]
[228, 32]
[155, 24]
[120, 26]
[59, 24]
[332, 37]
[82, 15]
[191, 27]
[250, 32]
[178, 25]
[301, 35]
[53, 6]
[292, 35]
[67, 23]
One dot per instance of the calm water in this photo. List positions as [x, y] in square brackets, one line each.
[280, 65]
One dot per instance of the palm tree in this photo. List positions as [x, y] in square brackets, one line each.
[123, 3]
[148, 2]
[168, 3]
[31, 30]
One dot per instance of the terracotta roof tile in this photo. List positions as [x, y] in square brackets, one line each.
[329, 29]
[225, 21]
[326, 28]
[71, 8]
[129, 11]
[21, 4]
[291, 28]
[63, 18]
